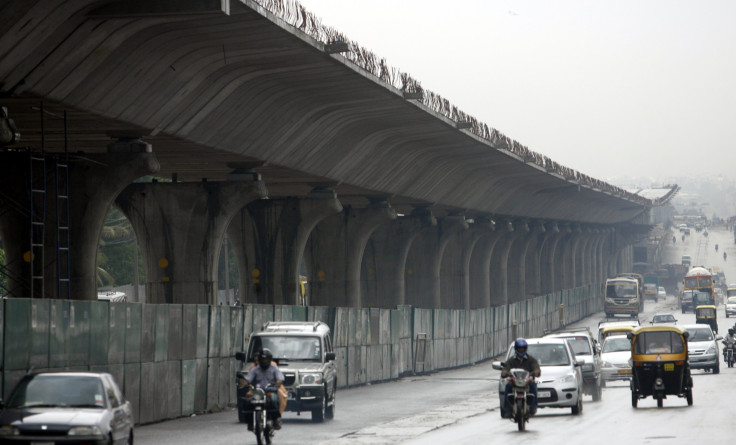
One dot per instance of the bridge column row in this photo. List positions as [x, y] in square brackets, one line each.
[353, 257]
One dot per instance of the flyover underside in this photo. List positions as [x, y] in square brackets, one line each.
[211, 92]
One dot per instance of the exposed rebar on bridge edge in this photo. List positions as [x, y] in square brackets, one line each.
[295, 14]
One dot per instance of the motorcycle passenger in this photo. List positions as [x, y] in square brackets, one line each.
[524, 361]
[266, 375]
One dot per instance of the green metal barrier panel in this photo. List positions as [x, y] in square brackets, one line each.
[79, 324]
[173, 388]
[224, 382]
[161, 329]
[18, 327]
[39, 334]
[261, 314]
[133, 327]
[175, 332]
[215, 338]
[10, 379]
[58, 337]
[189, 332]
[99, 338]
[188, 383]
[116, 339]
[148, 392]
[148, 333]
[203, 323]
[132, 387]
[225, 331]
[340, 336]
[200, 385]
[213, 382]
[236, 329]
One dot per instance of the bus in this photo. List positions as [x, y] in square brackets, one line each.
[623, 296]
[699, 280]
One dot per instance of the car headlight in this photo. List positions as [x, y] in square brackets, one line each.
[86, 430]
[8, 430]
[310, 379]
[711, 350]
[569, 378]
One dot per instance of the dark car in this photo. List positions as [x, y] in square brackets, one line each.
[66, 408]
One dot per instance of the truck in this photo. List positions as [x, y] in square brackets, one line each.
[651, 285]
[622, 296]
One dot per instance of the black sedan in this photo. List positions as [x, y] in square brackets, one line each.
[66, 408]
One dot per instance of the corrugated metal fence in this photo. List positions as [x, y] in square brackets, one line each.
[174, 360]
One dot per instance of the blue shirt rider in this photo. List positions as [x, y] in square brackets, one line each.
[524, 361]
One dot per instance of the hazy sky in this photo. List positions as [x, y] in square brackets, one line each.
[607, 87]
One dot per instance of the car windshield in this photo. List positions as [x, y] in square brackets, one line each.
[580, 345]
[549, 354]
[289, 347]
[58, 391]
[616, 345]
[697, 334]
[663, 318]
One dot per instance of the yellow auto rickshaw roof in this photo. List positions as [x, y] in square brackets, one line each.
[617, 329]
[705, 306]
[642, 329]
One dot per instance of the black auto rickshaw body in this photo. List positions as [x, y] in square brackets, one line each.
[706, 314]
[659, 364]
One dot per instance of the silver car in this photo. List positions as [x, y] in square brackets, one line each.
[702, 348]
[560, 384]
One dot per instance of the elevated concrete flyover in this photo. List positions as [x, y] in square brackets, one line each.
[229, 91]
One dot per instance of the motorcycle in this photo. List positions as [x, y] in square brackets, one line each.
[261, 401]
[520, 397]
[728, 351]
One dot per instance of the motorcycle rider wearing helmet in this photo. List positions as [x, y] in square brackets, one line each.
[523, 360]
[729, 341]
[266, 375]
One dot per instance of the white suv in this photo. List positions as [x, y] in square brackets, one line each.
[303, 351]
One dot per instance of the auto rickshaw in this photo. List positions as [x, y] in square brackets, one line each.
[615, 330]
[706, 314]
[659, 364]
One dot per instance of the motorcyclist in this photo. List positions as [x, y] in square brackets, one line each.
[716, 247]
[524, 361]
[728, 341]
[266, 375]
[724, 255]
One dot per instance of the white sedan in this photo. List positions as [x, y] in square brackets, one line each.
[616, 358]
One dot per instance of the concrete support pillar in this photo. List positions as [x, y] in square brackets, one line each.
[94, 180]
[565, 259]
[516, 287]
[180, 227]
[454, 256]
[533, 267]
[548, 264]
[269, 237]
[424, 261]
[384, 262]
[499, 263]
[480, 266]
[335, 251]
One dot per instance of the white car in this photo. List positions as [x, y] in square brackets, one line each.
[616, 358]
[730, 306]
[702, 348]
[661, 293]
[561, 383]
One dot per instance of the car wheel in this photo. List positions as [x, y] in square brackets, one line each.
[689, 396]
[318, 415]
[330, 410]
[597, 390]
[578, 408]
[717, 369]
[130, 438]
[634, 398]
